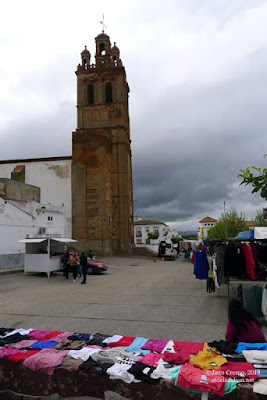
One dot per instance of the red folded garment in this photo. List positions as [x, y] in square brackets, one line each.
[242, 371]
[22, 355]
[125, 341]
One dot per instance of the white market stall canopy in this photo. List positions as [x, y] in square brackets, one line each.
[39, 240]
[260, 232]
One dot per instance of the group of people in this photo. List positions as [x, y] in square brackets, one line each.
[77, 263]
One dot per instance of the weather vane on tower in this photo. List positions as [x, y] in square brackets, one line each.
[103, 24]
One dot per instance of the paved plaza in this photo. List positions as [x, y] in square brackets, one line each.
[136, 297]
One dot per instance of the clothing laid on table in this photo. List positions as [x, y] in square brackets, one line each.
[97, 339]
[51, 336]
[223, 346]
[42, 345]
[20, 331]
[62, 336]
[163, 370]
[68, 345]
[38, 335]
[120, 371]
[125, 341]
[22, 355]
[174, 358]
[260, 386]
[230, 384]
[155, 345]
[17, 337]
[250, 346]
[5, 352]
[23, 344]
[136, 346]
[151, 359]
[244, 372]
[110, 356]
[184, 349]
[112, 339]
[84, 353]
[143, 373]
[191, 377]
[93, 367]
[209, 358]
[70, 363]
[248, 332]
[169, 347]
[80, 336]
[256, 356]
[45, 360]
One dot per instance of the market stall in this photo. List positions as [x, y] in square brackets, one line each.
[44, 254]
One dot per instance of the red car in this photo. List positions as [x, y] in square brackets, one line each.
[96, 267]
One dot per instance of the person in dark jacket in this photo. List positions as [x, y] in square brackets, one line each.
[242, 326]
[83, 263]
[65, 262]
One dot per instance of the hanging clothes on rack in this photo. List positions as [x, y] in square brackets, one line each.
[234, 262]
[249, 261]
[201, 265]
[254, 300]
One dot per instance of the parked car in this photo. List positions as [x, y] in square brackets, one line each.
[96, 266]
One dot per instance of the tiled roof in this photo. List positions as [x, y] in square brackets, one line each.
[148, 222]
[249, 223]
[208, 219]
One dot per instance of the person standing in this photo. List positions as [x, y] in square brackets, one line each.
[65, 262]
[83, 263]
[74, 261]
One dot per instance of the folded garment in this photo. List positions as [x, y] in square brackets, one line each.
[46, 360]
[155, 345]
[184, 349]
[150, 359]
[42, 345]
[93, 367]
[22, 355]
[17, 337]
[250, 346]
[244, 372]
[136, 346]
[143, 373]
[80, 336]
[223, 346]
[256, 356]
[125, 341]
[209, 358]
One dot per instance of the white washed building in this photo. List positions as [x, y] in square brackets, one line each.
[142, 227]
[204, 225]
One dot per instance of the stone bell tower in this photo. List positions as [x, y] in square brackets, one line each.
[102, 202]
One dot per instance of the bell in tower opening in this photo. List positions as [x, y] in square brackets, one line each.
[102, 200]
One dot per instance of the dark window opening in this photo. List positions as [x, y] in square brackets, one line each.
[90, 94]
[108, 92]
[114, 58]
[102, 49]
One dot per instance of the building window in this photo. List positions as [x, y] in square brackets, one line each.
[156, 230]
[108, 92]
[138, 232]
[102, 49]
[50, 218]
[205, 224]
[90, 94]
[147, 229]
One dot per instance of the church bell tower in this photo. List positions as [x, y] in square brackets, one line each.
[102, 202]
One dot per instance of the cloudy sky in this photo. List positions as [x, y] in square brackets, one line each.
[197, 71]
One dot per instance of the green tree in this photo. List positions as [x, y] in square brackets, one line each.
[259, 219]
[231, 222]
[257, 177]
[151, 235]
[176, 239]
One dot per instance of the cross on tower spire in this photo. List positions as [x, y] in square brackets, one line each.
[103, 24]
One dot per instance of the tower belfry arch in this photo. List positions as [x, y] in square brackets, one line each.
[102, 203]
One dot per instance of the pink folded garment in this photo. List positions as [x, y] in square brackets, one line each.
[6, 351]
[45, 360]
[23, 344]
[155, 345]
[150, 359]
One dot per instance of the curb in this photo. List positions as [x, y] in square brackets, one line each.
[10, 271]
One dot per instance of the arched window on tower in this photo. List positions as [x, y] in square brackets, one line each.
[90, 94]
[102, 49]
[108, 92]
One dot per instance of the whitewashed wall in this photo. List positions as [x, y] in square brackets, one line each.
[54, 179]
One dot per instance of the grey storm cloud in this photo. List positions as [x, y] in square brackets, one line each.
[197, 74]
